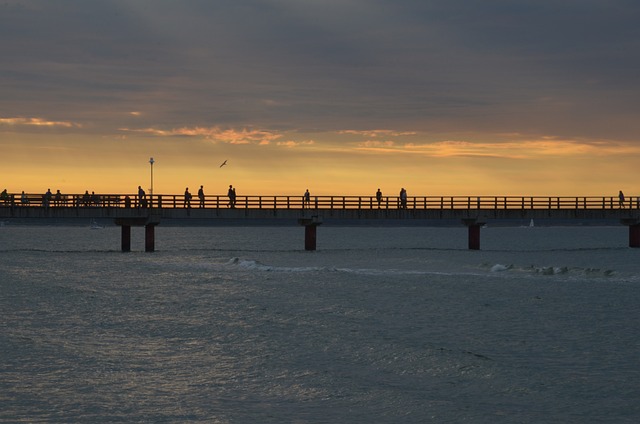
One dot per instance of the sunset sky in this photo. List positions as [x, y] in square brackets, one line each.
[442, 97]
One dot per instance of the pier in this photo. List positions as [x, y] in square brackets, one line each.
[127, 210]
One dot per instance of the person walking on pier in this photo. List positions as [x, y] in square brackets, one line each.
[142, 198]
[232, 196]
[621, 198]
[201, 196]
[46, 199]
[58, 198]
[187, 198]
[306, 199]
[379, 197]
[403, 198]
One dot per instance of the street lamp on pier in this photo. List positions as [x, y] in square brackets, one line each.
[151, 161]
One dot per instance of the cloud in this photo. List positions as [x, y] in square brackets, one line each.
[292, 143]
[515, 149]
[411, 65]
[37, 122]
[377, 133]
[231, 136]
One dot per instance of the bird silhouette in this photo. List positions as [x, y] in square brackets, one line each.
[223, 163]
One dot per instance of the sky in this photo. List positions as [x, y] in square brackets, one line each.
[341, 97]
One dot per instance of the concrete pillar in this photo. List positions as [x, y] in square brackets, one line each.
[149, 238]
[310, 237]
[126, 238]
[634, 235]
[310, 226]
[474, 236]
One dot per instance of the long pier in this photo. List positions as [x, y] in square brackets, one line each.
[127, 210]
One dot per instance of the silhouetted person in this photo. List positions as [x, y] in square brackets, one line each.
[403, 198]
[86, 198]
[46, 199]
[379, 197]
[306, 199]
[142, 198]
[201, 196]
[4, 196]
[58, 198]
[232, 196]
[621, 198]
[187, 198]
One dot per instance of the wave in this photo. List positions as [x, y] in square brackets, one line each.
[258, 266]
[252, 265]
[482, 271]
[552, 270]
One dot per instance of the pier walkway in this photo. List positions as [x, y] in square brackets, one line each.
[128, 210]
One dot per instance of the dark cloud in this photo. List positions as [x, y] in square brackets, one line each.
[543, 67]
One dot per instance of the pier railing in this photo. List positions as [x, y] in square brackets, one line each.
[321, 202]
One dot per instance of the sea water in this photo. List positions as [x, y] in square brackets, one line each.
[378, 325]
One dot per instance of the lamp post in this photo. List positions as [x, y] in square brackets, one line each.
[151, 161]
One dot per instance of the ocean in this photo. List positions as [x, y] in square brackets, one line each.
[378, 325]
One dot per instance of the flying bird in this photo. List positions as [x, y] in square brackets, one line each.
[223, 163]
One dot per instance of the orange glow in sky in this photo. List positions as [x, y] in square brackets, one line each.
[347, 162]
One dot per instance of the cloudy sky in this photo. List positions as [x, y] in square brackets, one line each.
[442, 97]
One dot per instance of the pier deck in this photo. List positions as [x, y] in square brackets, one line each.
[128, 210]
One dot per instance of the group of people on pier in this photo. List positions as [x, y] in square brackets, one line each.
[93, 199]
[49, 199]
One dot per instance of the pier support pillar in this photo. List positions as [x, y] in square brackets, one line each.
[634, 235]
[474, 237]
[473, 226]
[634, 231]
[310, 227]
[149, 238]
[126, 238]
[310, 237]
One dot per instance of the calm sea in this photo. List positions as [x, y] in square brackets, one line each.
[379, 325]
